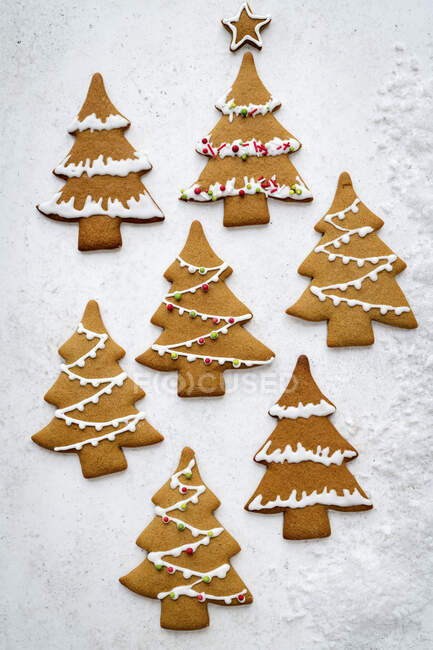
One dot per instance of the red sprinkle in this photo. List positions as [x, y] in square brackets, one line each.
[241, 192]
[241, 597]
[231, 319]
[200, 341]
[189, 550]
[170, 569]
[204, 140]
[274, 190]
[222, 188]
[260, 178]
[235, 148]
[253, 111]
[197, 190]
[212, 151]
[274, 183]
[170, 307]
[221, 147]
[199, 597]
[205, 287]
[184, 489]
[215, 320]
[205, 150]
[165, 520]
[207, 361]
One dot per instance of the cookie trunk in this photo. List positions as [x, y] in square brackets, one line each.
[350, 328]
[99, 232]
[306, 523]
[249, 210]
[185, 613]
[106, 458]
[200, 384]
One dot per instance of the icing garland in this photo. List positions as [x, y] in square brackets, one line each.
[104, 166]
[130, 421]
[346, 259]
[156, 556]
[229, 107]
[213, 335]
[269, 187]
[239, 148]
[96, 124]
[302, 410]
[326, 497]
[143, 208]
[300, 454]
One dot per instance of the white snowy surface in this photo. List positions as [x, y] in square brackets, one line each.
[356, 83]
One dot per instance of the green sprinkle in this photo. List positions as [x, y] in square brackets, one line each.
[293, 187]
[206, 579]
[210, 192]
[158, 567]
[181, 526]
[236, 362]
[244, 156]
[291, 192]
[178, 295]
[202, 270]
[258, 190]
[188, 475]
[232, 105]
[214, 198]
[174, 355]
[214, 335]
[298, 191]
[192, 314]
[244, 112]
[291, 148]
[210, 533]
[248, 186]
[182, 507]
[172, 595]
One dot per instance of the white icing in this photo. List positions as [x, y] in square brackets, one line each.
[300, 454]
[272, 189]
[229, 107]
[168, 349]
[275, 147]
[302, 410]
[326, 497]
[130, 421]
[104, 166]
[231, 22]
[156, 556]
[386, 265]
[96, 124]
[143, 208]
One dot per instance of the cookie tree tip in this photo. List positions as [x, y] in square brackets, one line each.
[102, 173]
[187, 565]
[249, 154]
[95, 399]
[353, 274]
[305, 459]
[203, 323]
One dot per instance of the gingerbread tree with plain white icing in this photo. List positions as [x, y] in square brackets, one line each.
[203, 323]
[102, 173]
[95, 399]
[187, 564]
[353, 274]
[248, 153]
[305, 460]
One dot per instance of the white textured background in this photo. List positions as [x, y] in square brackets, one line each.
[356, 83]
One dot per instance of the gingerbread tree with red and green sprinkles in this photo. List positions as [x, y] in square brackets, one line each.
[187, 564]
[203, 323]
[248, 153]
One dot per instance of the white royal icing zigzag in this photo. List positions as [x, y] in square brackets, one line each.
[103, 166]
[156, 556]
[229, 320]
[96, 124]
[302, 410]
[372, 275]
[326, 497]
[301, 454]
[275, 147]
[228, 107]
[129, 420]
[143, 208]
[297, 191]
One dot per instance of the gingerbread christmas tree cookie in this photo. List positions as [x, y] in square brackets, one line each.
[187, 565]
[353, 274]
[305, 459]
[249, 154]
[102, 173]
[203, 323]
[95, 414]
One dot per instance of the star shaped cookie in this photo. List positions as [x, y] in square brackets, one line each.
[245, 27]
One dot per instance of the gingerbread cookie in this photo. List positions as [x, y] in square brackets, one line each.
[246, 27]
[95, 414]
[305, 458]
[187, 564]
[203, 323]
[102, 173]
[353, 274]
[248, 153]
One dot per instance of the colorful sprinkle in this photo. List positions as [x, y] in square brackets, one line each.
[244, 156]
[231, 319]
[248, 186]
[205, 287]
[174, 356]
[188, 475]
[210, 533]
[180, 526]
[204, 140]
[298, 191]
[244, 111]
[192, 313]
[236, 363]
[206, 579]
[241, 597]
[214, 336]
[200, 597]
[241, 192]
[169, 307]
[183, 506]
[197, 190]
[172, 595]
[165, 520]
[158, 567]
[215, 320]
[184, 489]
[222, 188]
[258, 190]
[235, 148]
[201, 341]
[189, 550]
[202, 270]
[178, 295]
[208, 361]
[170, 570]
[210, 192]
